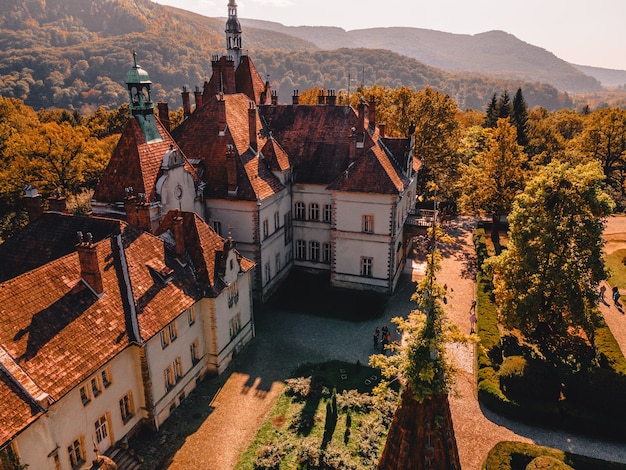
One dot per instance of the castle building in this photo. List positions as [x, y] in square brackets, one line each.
[317, 187]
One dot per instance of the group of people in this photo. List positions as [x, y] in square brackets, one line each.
[385, 339]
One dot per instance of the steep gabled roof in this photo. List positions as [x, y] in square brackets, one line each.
[135, 163]
[248, 80]
[199, 138]
[55, 331]
[205, 248]
[16, 409]
[374, 172]
[275, 156]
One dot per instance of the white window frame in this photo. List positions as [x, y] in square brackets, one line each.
[368, 223]
[301, 249]
[367, 266]
[314, 211]
[127, 407]
[299, 211]
[314, 251]
[328, 213]
[76, 453]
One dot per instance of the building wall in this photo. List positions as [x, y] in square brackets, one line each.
[177, 190]
[69, 419]
[311, 229]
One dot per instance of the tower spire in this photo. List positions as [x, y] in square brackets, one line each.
[141, 105]
[233, 33]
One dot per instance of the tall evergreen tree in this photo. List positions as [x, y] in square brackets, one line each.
[519, 117]
[504, 105]
[491, 114]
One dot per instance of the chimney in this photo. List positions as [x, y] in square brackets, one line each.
[274, 97]
[371, 112]
[361, 114]
[197, 95]
[130, 207]
[231, 169]
[228, 76]
[295, 100]
[57, 203]
[381, 129]
[221, 116]
[331, 99]
[321, 98]
[179, 238]
[186, 103]
[143, 213]
[252, 131]
[34, 202]
[164, 115]
[89, 266]
[268, 94]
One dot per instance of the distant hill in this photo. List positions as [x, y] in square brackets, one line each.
[74, 54]
[608, 77]
[495, 52]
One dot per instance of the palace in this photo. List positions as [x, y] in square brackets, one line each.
[107, 322]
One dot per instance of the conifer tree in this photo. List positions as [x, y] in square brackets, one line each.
[519, 117]
[491, 114]
[504, 105]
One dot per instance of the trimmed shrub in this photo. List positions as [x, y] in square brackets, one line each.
[547, 463]
[271, 455]
[353, 400]
[524, 380]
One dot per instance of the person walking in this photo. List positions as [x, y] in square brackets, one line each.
[376, 336]
[616, 296]
[472, 317]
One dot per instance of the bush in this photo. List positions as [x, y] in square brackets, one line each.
[533, 379]
[299, 388]
[547, 463]
[353, 400]
[370, 434]
[271, 455]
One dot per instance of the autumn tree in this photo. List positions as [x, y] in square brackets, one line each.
[545, 283]
[494, 177]
[604, 139]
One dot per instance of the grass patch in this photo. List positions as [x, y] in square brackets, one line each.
[325, 418]
[615, 262]
[311, 293]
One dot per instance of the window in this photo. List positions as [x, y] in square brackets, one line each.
[126, 407]
[299, 211]
[268, 272]
[277, 263]
[217, 226]
[76, 453]
[233, 293]
[276, 220]
[165, 340]
[171, 329]
[191, 316]
[300, 249]
[368, 223]
[106, 377]
[235, 325]
[366, 267]
[326, 252]
[314, 251]
[169, 378]
[288, 233]
[195, 352]
[84, 395]
[95, 387]
[266, 228]
[101, 429]
[314, 211]
[57, 461]
[328, 213]
[178, 368]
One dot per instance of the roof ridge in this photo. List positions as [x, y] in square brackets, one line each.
[24, 382]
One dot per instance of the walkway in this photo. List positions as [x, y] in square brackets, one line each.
[215, 430]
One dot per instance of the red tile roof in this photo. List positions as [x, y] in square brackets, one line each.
[57, 332]
[205, 247]
[16, 409]
[275, 156]
[135, 163]
[198, 137]
[248, 80]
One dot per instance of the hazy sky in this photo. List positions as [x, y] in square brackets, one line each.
[583, 32]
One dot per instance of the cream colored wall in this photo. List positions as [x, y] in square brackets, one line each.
[170, 180]
[160, 358]
[311, 230]
[68, 419]
[236, 214]
[273, 244]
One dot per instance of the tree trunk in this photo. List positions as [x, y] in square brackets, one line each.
[421, 436]
[495, 232]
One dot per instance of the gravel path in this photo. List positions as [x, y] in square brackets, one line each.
[239, 400]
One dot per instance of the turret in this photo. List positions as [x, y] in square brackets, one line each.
[233, 33]
[141, 106]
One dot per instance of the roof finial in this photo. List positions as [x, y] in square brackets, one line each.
[135, 59]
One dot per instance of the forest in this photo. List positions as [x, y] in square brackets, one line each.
[462, 151]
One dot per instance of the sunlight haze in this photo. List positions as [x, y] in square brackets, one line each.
[578, 31]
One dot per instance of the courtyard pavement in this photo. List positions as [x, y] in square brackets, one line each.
[213, 430]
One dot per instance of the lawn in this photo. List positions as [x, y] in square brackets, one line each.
[615, 263]
[326, 418]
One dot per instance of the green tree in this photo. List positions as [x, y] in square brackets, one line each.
[491, 113]
[494, 177]
[519, 117]
[504, 105]
[545, 283]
